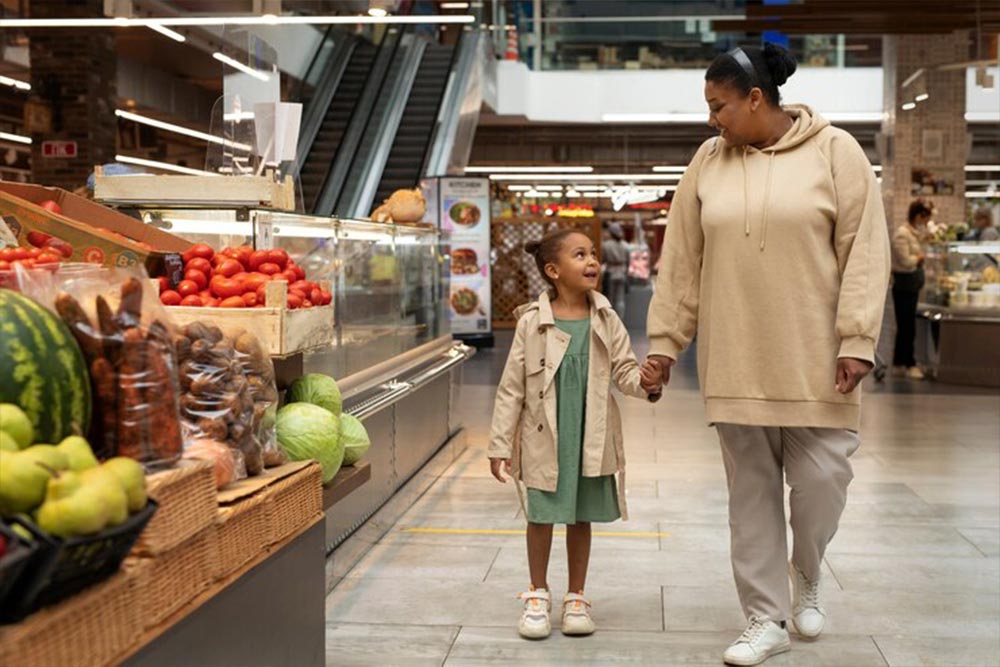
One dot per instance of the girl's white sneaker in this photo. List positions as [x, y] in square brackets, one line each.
[535, 623]
[576, 620]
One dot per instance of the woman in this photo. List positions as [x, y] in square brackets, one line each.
[777, 255]
[907, 281]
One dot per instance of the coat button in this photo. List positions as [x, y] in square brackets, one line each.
[540, 428]
[541, 394]
[542, 362]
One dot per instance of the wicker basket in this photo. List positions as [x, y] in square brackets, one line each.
[170, 580]
[243, 533]
[186, 495]
[87, 629]
[294, 502]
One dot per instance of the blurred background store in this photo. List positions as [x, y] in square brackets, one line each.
[506, 119]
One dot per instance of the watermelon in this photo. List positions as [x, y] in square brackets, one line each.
[42, 369]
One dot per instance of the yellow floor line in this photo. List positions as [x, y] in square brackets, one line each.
[492, 531]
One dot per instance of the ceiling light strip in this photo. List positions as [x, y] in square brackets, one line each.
[236, 64]
[142, 162]
[175, 21]
[170, 127]
[16, 138]
[14, 83]
[585, 177]
[512, 169]
[167, 32]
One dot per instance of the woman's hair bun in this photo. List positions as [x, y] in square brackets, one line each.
[532, 247]
[780, 63]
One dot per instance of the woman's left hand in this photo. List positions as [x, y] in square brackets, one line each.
[850, 372]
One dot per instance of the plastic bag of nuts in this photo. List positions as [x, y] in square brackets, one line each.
[216, 401]
[259, 370]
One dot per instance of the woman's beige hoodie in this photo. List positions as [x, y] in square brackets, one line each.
[779, 260]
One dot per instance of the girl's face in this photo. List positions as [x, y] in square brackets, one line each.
[577, 268]
[731, 113]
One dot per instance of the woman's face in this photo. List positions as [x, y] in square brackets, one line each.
[731, 113]
[921, 220]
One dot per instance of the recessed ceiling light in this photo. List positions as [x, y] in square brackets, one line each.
[246, 20]
[377, 12]
[236, 64]
[17, 138]
[515, 169]
[170, 127]
[167, 32]
[14, 83]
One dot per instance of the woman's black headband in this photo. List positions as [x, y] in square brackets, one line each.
[743, 60]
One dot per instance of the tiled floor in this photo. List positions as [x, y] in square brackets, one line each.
[912, 579]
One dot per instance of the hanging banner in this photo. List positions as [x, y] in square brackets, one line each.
[464, 215]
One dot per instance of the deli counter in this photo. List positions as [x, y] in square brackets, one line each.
[393, 355]
[960, 310]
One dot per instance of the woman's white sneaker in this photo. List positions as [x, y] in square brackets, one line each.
[807, 614]
[576, 620]
[762, 639]
[535, 623]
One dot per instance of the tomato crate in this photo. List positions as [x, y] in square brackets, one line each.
[281, 331]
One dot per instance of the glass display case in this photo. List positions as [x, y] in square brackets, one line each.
[963, 275]
[388, 280]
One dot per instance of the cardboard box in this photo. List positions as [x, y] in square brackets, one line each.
[79, 225]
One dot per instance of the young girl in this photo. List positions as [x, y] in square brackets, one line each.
[556, 426]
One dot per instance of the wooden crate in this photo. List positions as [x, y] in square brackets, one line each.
[88, 629]
[177, 190]
[168, 581]
[243, 533]
[515, 279]
[282, 332]
[186, 495]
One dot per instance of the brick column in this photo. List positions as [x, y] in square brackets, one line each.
[911, 136]
[75, 71]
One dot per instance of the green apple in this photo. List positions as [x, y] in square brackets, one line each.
[17, 424]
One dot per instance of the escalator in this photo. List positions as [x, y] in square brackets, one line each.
[323, 151]
[405, 165]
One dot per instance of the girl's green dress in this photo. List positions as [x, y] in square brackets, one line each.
[576, 498]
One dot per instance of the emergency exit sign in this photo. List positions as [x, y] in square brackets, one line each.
[58, 149]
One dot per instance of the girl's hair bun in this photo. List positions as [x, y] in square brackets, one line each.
[532, 247]
[780, 63]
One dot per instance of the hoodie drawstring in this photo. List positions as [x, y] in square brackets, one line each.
[767, 198]
[746, 198]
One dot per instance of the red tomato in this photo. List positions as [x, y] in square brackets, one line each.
[26, 263]
[188, 288]
[48, 258]
[269, 268]
[22, 253]
[243, 254]
[294, 301]
[4, 265]
[192, 300]
[232, 302]
[259, 305]
[39, 239]
[33, 253]
[300, 273]
[240, 276]
[198, 250]
[316, 296]
[287, 275]
[197, 277]
[224, 287]
[50, 205]
[218, 259]
[170, 298]
[262, 295]
[59, 246]
[306, 303]
[278, 256]
[228, 268]
[327, 297]
[249, 299]
[8, 254]
[212, 302]
[253, 281]
[230, 253]
[299, 293]
[199, 264]
[257, 258]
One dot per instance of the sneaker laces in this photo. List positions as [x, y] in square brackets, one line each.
[808, 592]
[575, 604]
[754, 630]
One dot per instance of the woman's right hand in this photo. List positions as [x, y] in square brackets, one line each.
[496, 465]
[665, 364]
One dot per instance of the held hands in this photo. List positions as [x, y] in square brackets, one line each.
[655, 374]
[496, 465]
[850, 372]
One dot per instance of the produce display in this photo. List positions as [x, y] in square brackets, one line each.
[236, 278]
[46, 251]
[42, 371]
[307, 431]
[318, 389]
[132, 370]
[355, 438]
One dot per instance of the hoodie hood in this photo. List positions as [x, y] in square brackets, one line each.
[806, 124]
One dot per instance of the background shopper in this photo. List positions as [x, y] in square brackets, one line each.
[777, 256]
[556, 426]
[615, 253]
[982, 227]
[907, 281]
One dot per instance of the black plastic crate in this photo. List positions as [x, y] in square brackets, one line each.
[19, 554]
[65, 567]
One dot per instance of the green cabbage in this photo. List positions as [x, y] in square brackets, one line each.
[355, 439]
[307, 431]
[318, 389]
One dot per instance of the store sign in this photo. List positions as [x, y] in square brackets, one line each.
[464, 214]
[59, 149]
